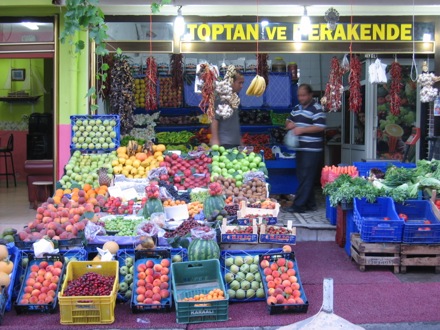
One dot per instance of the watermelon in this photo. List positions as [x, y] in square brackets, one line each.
[203, 249]
[152, 205]
[213, 204]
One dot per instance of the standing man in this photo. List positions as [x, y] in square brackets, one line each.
[307, 121]
[226, 131]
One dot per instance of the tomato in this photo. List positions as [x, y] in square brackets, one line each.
[403, 216]
[386, 218]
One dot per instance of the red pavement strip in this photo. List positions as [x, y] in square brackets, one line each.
[373, 296]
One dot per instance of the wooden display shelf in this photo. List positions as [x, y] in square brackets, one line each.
[20, 99]
[374, 254]
[420, 255]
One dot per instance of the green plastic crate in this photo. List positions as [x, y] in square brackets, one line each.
[197, 277]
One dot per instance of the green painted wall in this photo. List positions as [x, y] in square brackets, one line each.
[34, 84]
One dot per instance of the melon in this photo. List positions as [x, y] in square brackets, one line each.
[6, 266]
[202, 249]
[112, 246]
[4, 280]
[153, 205]
[213, 204]
[4, 254]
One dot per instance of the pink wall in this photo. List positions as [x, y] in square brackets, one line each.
[63, 148]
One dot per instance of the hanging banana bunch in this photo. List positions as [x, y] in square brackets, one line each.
[257, 86]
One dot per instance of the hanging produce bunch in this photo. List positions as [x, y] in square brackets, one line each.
[332, 99]
[208, 75]
[257, 86]
[396, 86]
[228, 100]
[355, 98]
[428, 93]
[151, 84]
[263, 67]
[122, 100]
[177, 70]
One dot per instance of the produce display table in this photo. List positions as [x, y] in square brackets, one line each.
[282, 175]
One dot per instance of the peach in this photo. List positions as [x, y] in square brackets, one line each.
[26, 296]
[40, 279]
[58, 264]
[291, 272]
[164, 278]
[156, 276]
[149, 293]
[274, 266]
[280, 299]
[286, 283]
[140, 298]
[281, 262]
[157, 282]
[53, 286]
[48, 276]
[149, 271]
[269, 278]
[56, 271]
[270, 291]
[48, 300]
[35, 293]
[296, 293]
[28, 289]
[141, 268]
[284, 276]
[149, 286]
[141, 276]
[55, 279]
[38, 285]
[24, 301]
[271, 300]
[267, 271]
[299, 301]
[44, 264]
[140, 290]
[290, 264]
[165, 263]
[156, 289]
[148, 301]
[275, 274]
[35, 268]
[164, 293]
[164, 285]
[287, 249]
[271, 284]
[44, 289]
[165, 271]
[291, 301]
[278, 291]
[41, 272]
[288, 290]
[33, 300]
[277, 280]
[149, 279]
[264, 264]
[295, 286]
[157, 267]
[30, 281]
[51, 293]
[149, 264]
[42, 296]
[293, 279]
[140, 283]
[156, 297]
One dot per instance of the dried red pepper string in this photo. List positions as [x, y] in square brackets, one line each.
[396, 78]
[208, 89]
[333, 89]
[262, 67]
[177, 70]
[151, 84]
[354, 79]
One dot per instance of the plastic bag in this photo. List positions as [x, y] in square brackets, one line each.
[203, 232]
[291, 140]
[345, 64]
[43, 246]
[155, 173]
[158, 219]
[249, 176]
[377, 73]
[148, 228]
[164, 194]
[92, 230]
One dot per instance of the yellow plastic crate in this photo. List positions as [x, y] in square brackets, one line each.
[89, 309]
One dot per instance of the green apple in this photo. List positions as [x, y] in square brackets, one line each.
[215, 158]
[222, 149]
[215, 147]
[222, 165]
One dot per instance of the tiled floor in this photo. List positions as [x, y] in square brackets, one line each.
[15, 211]
[14, 206]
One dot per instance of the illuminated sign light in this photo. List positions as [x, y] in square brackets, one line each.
[291, 32]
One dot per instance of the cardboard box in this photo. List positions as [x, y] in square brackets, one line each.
[245, 210]
[278, 238]
[239, 238]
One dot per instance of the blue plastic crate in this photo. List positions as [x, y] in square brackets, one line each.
[191, 98]
[121, 256]
[101, 129]
[330, 211]
[415, 230]
[371, 223]
[242, 253]
[349, 229]
[365, 167]
[14, 256]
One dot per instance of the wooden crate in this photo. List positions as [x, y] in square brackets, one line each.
[420, 255]
[374, 254]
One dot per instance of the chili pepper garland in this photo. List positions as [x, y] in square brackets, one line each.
[355, 98]
[332, 99]
[151, 84]
[177, 70]
[263, 67]
[396, 78]
[208, 77]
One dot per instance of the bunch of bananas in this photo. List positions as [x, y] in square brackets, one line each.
[257, 86]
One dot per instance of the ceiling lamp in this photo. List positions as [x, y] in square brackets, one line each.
[332, 18]
[179, 23]
[305, 24]
[30, 25]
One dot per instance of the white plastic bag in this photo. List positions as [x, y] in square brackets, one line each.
[291, 140]
[377, 73]
[42, 247]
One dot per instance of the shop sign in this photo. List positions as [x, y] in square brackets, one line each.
[287, 32]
